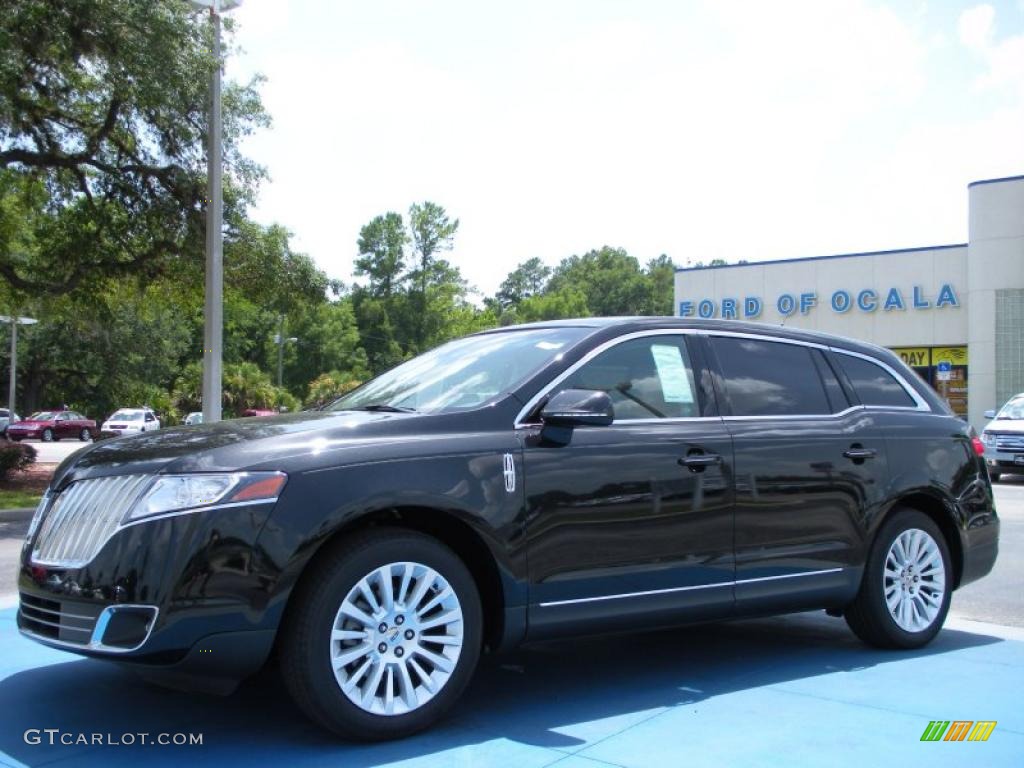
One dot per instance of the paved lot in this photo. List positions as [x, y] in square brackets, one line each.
[54, 453]
[790, 691]
[999, 598]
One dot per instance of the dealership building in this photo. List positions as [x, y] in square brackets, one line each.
[955, 313]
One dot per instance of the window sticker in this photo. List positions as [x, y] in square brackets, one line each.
[675, 379]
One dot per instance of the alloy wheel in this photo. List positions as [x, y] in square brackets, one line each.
[914, 580]
[396, 639]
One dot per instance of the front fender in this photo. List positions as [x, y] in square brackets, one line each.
[468, 485]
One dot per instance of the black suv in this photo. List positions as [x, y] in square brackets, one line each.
[520, 484]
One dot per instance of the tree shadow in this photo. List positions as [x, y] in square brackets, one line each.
[516, 703]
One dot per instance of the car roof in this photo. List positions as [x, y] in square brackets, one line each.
[627, 324]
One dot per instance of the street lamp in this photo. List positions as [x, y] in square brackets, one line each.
[281, 341]
[15, 321]
[213, 330]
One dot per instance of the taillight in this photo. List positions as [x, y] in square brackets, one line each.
[979, 447]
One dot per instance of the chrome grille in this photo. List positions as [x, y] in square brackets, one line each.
[1010, 442]
[83, 517]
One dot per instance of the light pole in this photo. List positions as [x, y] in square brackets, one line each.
[15, 321]
[213, 329]
[280, 340]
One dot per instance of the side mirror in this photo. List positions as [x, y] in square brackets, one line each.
[578, 408]
[990, 414]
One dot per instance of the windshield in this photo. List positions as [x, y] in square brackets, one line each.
[126, 416]
[462, 374]
[1013, 409]
[42, 416]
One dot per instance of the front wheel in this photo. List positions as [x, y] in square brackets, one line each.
[994, 476]
[48, 436]
[905, 594]
[384, 636]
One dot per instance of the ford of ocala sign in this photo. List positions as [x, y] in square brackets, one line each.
[840, 302]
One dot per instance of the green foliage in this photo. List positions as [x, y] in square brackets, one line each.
[245, 386]
[15, 457]
[382, 253]
[328, 387]
[103, 103]
[526, 280]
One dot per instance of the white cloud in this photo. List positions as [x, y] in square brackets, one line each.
[728, 129]
[976, 26]
[1004, 59]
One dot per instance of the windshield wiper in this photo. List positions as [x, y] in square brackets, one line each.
[382, 408]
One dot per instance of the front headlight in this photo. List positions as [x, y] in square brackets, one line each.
[173, 493]
[988, 438]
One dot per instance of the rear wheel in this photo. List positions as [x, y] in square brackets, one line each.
[384, 636]
[994, 476]
[905, 594]
[85, 436]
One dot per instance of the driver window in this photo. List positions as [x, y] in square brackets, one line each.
[646, 378]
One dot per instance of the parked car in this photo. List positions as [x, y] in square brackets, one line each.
[5, 419]
[1004, 439]
[128, 421]
[53, 425]
[520, 484]
[259, 412]
[196, 417]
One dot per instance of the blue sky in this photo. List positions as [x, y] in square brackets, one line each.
[718, 129]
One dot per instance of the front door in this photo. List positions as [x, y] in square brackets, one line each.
[633, 522]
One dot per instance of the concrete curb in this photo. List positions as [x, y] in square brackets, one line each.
[19, 515]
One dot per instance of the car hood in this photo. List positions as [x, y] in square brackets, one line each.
[1015, 426]
[247, 443]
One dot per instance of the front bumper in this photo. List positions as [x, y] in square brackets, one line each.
[23, 433]
[1004, 462]
[186, 595]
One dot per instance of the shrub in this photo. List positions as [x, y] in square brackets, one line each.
[15, 456]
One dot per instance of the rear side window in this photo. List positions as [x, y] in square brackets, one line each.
[873, 384]
[646, 378]
[767, 378]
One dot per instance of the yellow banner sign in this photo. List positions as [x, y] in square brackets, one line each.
[915, 357]
[952, 355]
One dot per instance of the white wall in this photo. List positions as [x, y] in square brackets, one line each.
[995, 260]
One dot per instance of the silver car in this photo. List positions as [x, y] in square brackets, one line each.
[5, 419]
[1004, 439]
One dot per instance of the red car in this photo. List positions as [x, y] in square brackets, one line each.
[53, 425]
[259, 412]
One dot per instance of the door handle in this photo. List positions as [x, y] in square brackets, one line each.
[696, 462]
[857, 453]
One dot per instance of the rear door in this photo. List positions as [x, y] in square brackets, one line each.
[810, 472]
[64, 426]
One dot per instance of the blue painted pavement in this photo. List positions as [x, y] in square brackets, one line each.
[790, 691]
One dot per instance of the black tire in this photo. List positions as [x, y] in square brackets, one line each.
[305, 642]
[85, 436]
[868, 615]
[48, 436]
[994, 476]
